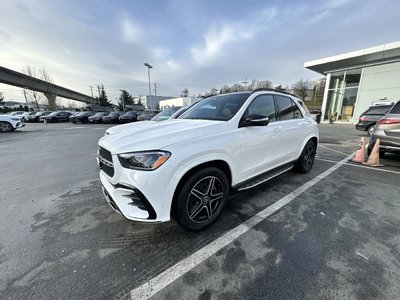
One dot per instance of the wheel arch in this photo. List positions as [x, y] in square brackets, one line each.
[218, 163]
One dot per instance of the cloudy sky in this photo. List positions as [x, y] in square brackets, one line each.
[193, 44]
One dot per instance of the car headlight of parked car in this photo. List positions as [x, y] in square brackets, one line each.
[148, 161]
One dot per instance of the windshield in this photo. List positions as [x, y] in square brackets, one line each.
[100, 114]
[218, 108]
[53, 113]
[166, 114]
[83, 114]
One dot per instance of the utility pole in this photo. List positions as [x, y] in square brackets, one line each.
[245, 82]
[155, 89]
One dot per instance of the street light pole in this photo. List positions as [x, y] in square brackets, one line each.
[148, 73]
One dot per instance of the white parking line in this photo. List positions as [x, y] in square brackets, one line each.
[71, 128]
[337, 151]
[165, 278]
[359, 166]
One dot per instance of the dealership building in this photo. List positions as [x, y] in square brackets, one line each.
[357, 80]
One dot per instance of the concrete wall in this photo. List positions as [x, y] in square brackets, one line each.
[377, 82]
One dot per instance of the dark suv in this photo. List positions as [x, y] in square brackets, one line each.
[57, 116]
[368, 118]
[387, 130]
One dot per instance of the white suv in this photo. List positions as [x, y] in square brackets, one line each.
[10, 123]
[185, 168]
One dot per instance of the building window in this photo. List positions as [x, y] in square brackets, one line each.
[342, 94]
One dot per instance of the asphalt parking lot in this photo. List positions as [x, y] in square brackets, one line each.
[331, 234]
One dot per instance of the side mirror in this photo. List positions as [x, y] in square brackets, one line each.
[254, 120]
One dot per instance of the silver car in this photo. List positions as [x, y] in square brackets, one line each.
[387, 130]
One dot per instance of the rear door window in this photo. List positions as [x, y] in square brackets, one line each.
[287, 109]
[396, 109]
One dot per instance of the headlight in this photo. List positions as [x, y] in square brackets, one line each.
[147, 161]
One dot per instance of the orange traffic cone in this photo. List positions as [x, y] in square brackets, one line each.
[373, 159]
[360, 153]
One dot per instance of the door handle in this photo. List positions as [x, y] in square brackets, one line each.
[277, 129]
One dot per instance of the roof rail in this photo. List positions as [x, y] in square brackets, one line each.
[273, 90]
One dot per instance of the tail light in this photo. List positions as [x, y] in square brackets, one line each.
[388, 121]
[362, 119]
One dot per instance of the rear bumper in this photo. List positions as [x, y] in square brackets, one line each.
[364, 126]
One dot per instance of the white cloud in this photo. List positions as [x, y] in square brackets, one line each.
[219, 37]
[131, 32]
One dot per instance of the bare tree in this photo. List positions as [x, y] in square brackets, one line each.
[302, 88]
[33, 96]
[265, 84]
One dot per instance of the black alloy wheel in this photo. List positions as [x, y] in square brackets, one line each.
[202, 199]
[306, 159]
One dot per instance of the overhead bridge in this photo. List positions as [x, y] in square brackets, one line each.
[21, 80]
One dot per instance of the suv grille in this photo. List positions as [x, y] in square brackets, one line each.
[106, 162]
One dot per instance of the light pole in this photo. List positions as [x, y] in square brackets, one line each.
[148, 73]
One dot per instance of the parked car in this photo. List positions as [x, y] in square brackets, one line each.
[96, 118]
[27, 113]
[56, 116]
[147, 115]
[130, 116]
[368, 118]
[316, 115]
[112, 117]
[387, 129]
[36, 116]
[16, 113]
[81, 117]
[170, 113]
[10, 123]
[185, 169]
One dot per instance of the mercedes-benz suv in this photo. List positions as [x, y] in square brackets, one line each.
[186, 168]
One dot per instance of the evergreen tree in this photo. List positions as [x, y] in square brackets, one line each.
[103, 99]
[124, 99]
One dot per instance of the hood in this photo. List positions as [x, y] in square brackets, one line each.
[144, 136]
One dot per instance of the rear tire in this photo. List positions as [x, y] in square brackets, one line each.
[306, 160]
[202, 199]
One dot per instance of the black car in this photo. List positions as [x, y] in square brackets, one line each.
[56, 116]
[111, 118]
[35, 117]
[130, 116]
[26, 114]
[368, 119]
[81, 117]
[96, 118]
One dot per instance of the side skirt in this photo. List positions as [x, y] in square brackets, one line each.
[263, 177]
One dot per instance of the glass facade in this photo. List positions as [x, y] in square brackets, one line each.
[342, 95]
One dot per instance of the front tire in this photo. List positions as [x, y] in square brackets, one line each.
[202, 199]
[6, 127]
[306, 159]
